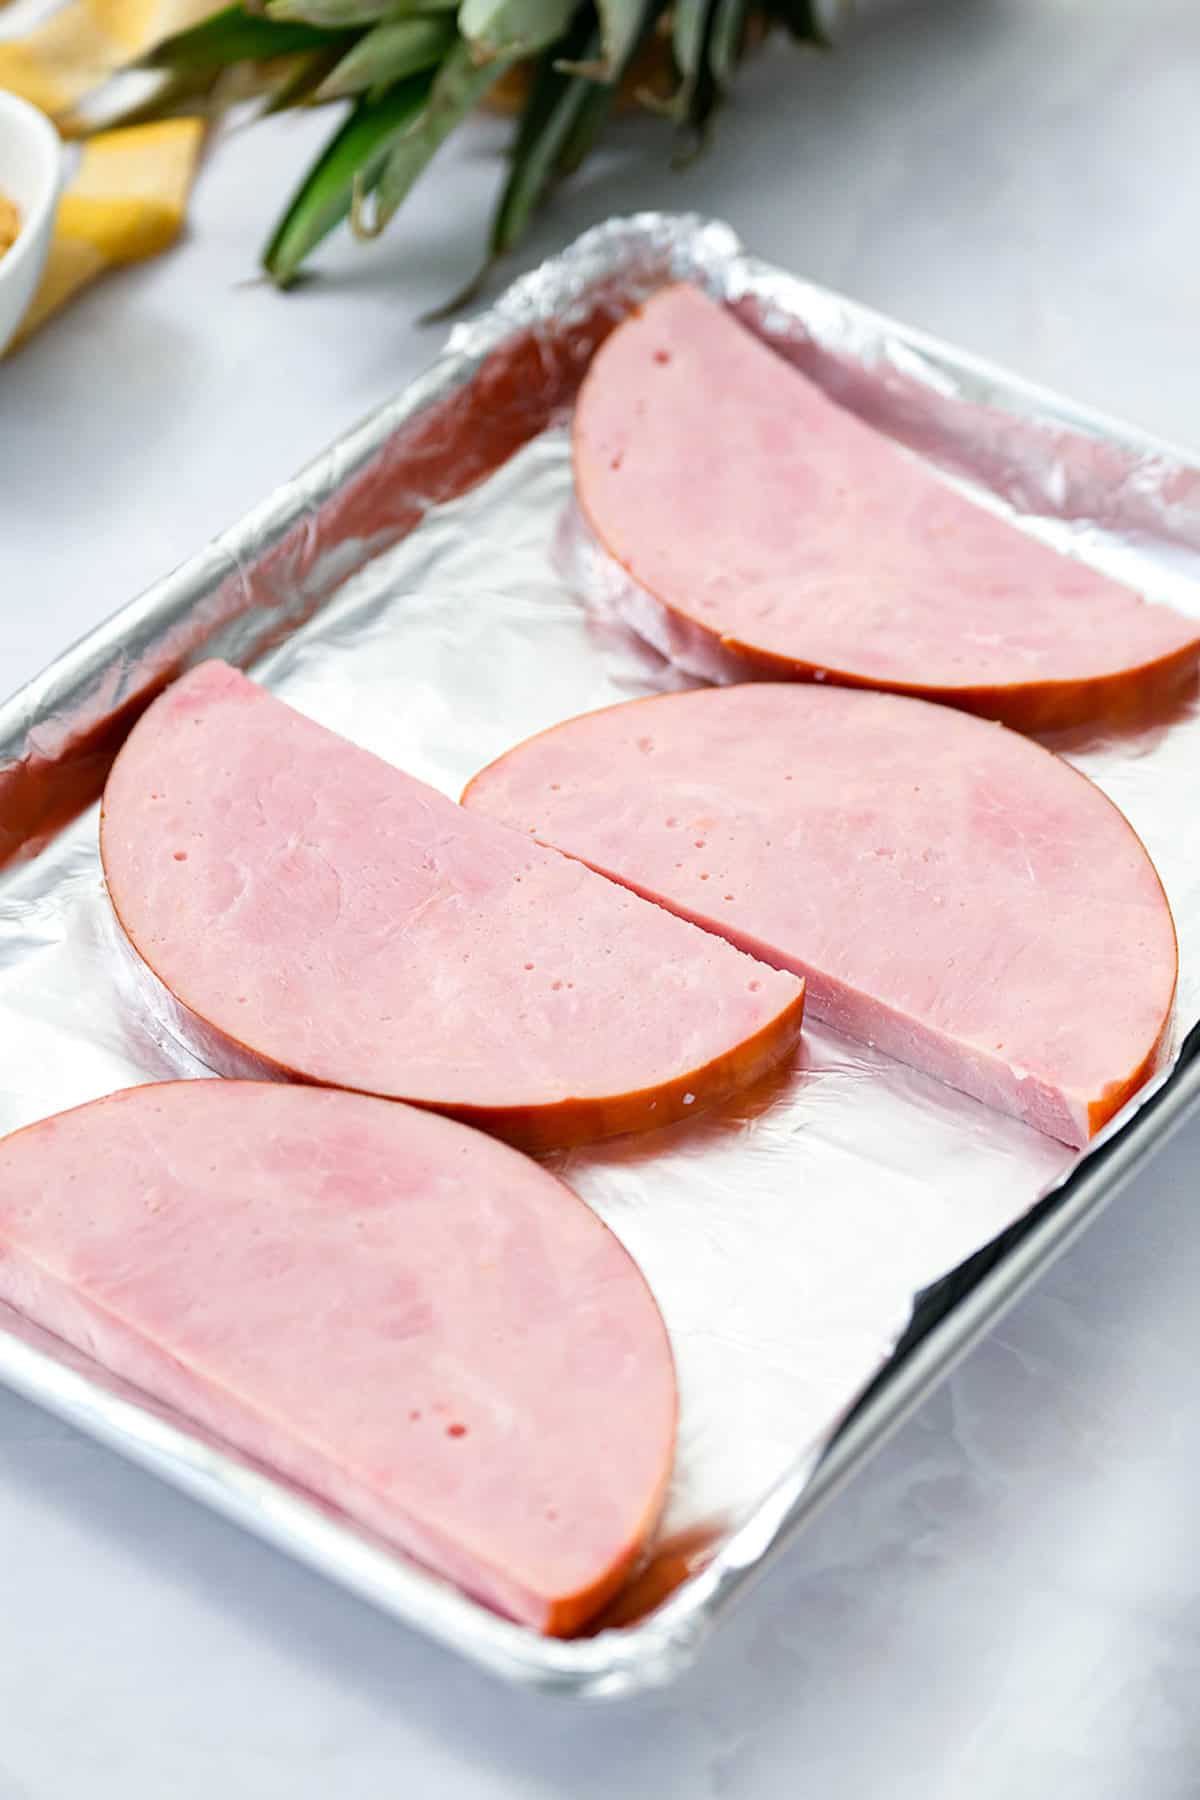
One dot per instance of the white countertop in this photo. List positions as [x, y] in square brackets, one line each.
[1007, 1601]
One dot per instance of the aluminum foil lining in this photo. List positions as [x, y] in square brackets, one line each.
[428, 591]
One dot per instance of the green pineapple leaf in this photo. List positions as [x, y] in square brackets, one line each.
[354, 157]
[414, 68]
[588, 123]
[512, 28]
[542, 131]
[551, 74]
[459, 84]
[622, 25]
[725, 42]
[299, 85]
[386, 54]
[691, 21]
[334, 14]
[230, 36]
[552, 114]
[599, 104]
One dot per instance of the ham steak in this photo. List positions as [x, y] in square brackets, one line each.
[774, 525]
[314, 907]
[404, 1317]
[950, 891]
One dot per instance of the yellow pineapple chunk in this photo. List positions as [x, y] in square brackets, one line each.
[130, 193]
[127, 201]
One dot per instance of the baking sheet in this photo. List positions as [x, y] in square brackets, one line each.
[429, 592]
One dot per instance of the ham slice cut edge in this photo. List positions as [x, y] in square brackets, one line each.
[318, 914]
[404, 1317]
[951, 891]
[787, 539]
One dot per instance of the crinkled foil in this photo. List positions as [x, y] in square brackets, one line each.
[427, 590]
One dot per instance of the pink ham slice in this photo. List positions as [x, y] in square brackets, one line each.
[404, 1317]
[348, 925]
[950, 891]
[773, 523]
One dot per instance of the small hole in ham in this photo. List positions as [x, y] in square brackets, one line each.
[456, 1430]
[414, 1415]
[181, 856]
[704, 877]
[528, 966]
[727, 896]
[662, 357]
[699, 843]
[555, 986]
[671, 822]
[755, 986]
[645, 745]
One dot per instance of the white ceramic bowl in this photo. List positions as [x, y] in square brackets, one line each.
[30, 165]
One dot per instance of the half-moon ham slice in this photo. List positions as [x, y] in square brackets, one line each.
[774, 524]
[409, 1320]
[951, 891]
[344, 924]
